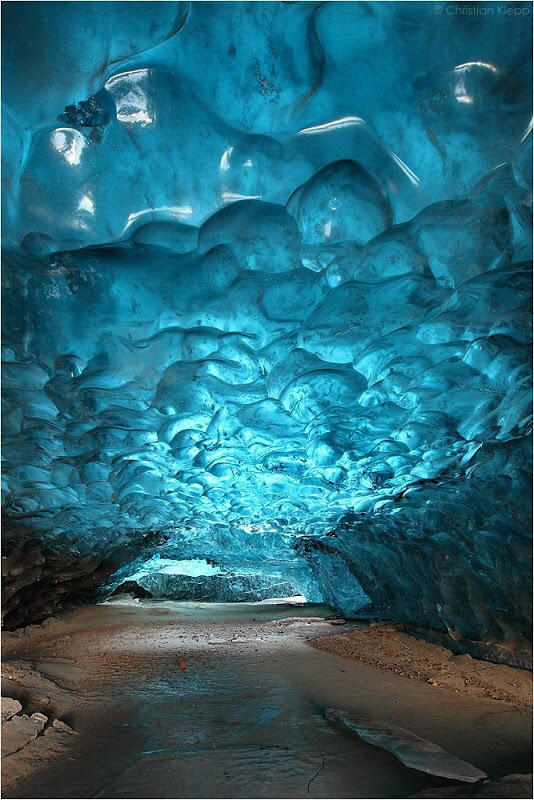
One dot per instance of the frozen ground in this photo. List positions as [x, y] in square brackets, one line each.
[194, 700]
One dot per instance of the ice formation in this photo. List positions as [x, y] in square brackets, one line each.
[267, 294]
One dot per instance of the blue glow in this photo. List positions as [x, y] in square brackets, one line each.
[266, 291]
[195, 567]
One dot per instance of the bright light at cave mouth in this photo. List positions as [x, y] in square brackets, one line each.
[266, 323]
[194, 567]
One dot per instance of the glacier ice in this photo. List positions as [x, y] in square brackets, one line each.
[267, 293]
[197, 579]
[342, 202]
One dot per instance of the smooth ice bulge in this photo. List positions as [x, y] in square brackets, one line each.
[270, 314]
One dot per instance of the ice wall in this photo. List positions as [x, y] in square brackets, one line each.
[267, 294]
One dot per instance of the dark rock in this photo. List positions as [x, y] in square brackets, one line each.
[133, 588]
[40, 577]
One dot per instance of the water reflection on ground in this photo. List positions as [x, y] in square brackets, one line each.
[201, 701]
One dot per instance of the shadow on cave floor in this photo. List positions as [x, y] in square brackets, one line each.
[177, 700]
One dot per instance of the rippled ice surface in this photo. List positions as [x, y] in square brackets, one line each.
[267, 293]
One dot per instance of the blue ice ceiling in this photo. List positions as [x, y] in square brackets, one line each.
[267, 296]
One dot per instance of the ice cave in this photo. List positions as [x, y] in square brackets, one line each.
[266, 342]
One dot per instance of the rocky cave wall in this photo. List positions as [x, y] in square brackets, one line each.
[267, 284]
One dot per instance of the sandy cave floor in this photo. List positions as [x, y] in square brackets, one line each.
[173, 700]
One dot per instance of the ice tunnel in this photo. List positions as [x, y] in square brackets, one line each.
[266, 308]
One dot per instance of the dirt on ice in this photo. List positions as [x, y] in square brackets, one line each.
[191, 700]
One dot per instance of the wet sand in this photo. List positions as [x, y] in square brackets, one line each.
[172, 700]
[387, 648]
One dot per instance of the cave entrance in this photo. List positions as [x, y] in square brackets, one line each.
[326, 581]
